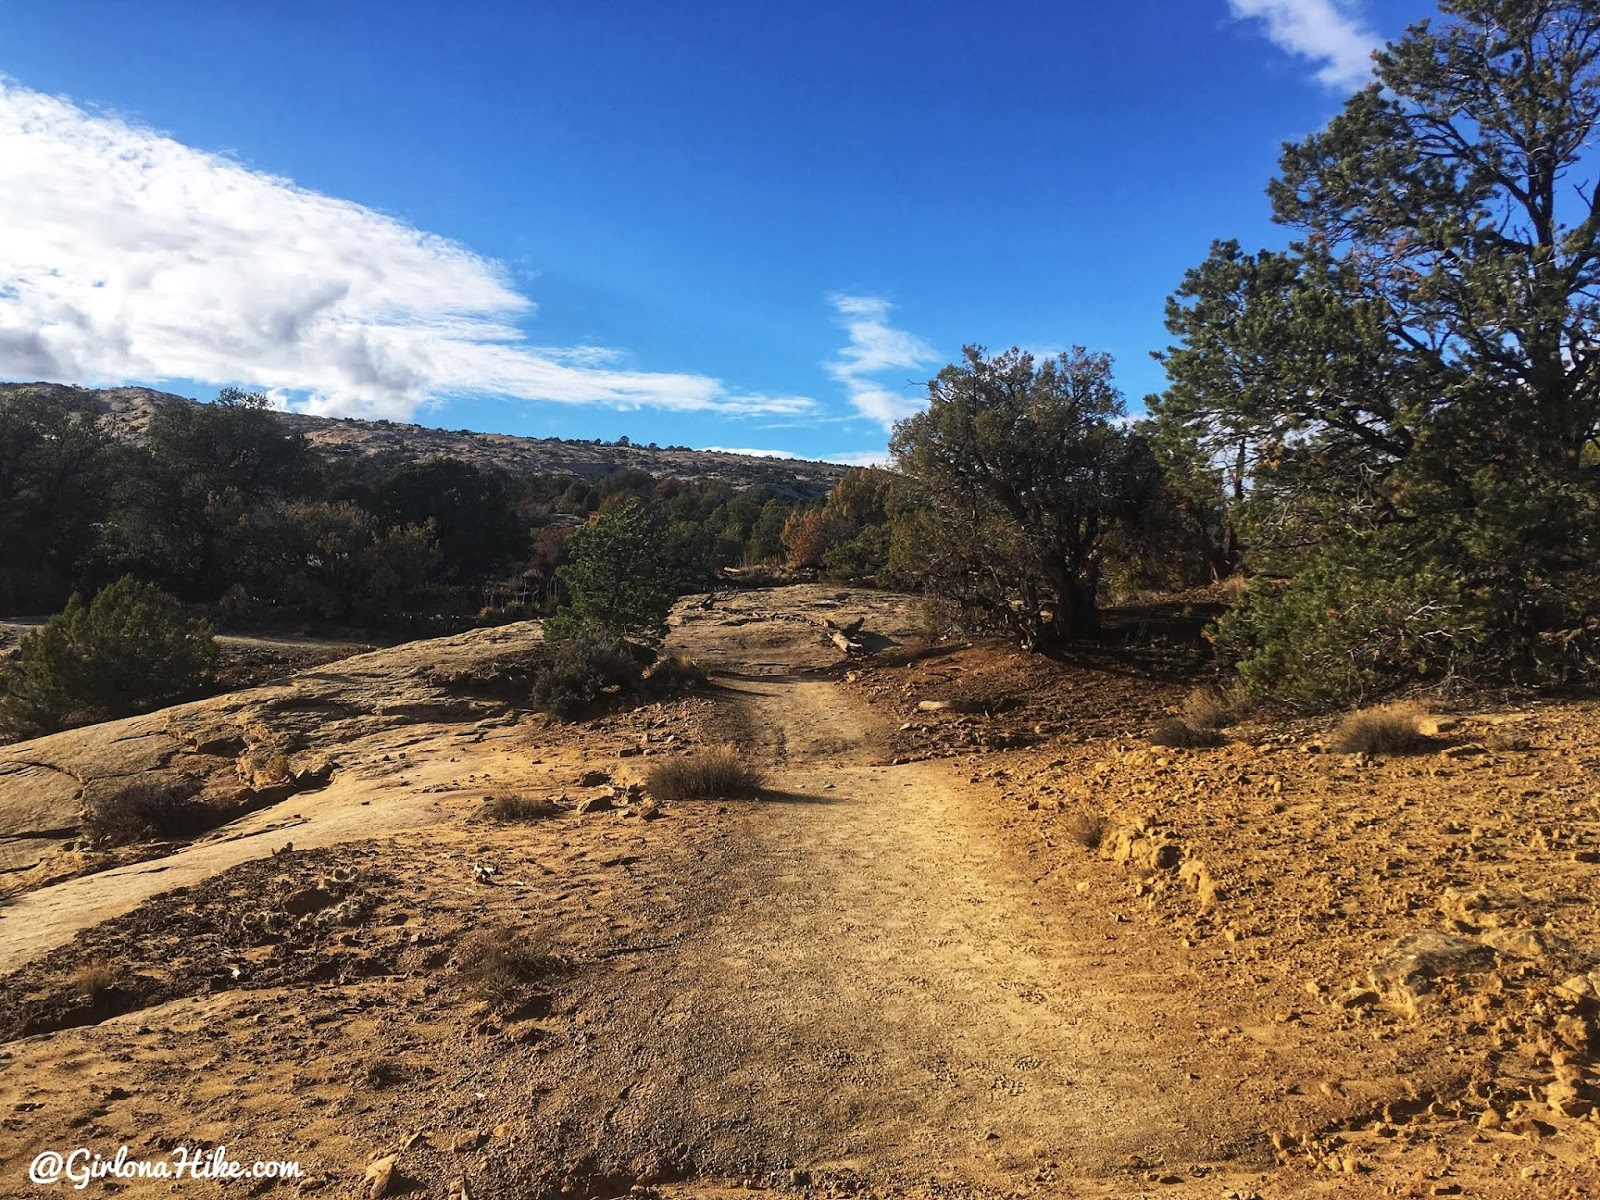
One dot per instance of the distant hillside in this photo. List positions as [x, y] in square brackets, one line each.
[127, 412]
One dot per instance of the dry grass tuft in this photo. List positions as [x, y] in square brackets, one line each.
[1215, 707]
[720, 773]
[507, 808]
[1180, 734]
[96, 980]
[1088, 830]
[1391, 729]
[503, 965]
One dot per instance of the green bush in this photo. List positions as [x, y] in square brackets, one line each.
[618, 582]
[1347, 626]
[130, 650]
[862, 559]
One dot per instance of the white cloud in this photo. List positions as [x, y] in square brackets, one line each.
[860, 458]
[876, 347]
[125, 255]
[1320, 30]
[751, 453]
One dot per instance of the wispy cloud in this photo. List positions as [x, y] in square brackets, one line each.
[1324, 31]
[875, 349]
[125, 255]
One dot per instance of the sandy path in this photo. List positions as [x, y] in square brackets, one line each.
[881, 986]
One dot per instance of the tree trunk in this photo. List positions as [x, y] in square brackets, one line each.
[1079, 615]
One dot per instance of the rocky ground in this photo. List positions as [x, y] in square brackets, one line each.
[978, 938]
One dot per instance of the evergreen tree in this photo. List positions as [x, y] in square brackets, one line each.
[618, 580]
[1405, 403]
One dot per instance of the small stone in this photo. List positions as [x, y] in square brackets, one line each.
[595, 804]
[1358, 997]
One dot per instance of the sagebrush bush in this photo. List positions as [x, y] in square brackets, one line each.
[509, 807]
[1391, 729]
[580, 669]
[144, 810]
[720, 773]
[129, 650]
[1177, 733]
[504, 965]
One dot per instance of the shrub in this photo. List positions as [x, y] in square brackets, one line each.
[1087, 829]
[578, 672]
[1349, 623]
[131, 649]
[508, 807]
[720, 773]
[618, 582]
[144, 810]
[1392, 729]
[674, 676]
[1215, 707]
[504, 965]
[1180, 734]
[862, 558]
[808, 535]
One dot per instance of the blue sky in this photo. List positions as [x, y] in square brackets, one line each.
[753, 225]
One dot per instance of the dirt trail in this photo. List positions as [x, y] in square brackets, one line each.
[882, 987]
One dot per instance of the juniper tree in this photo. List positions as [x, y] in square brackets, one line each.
[1406, 397]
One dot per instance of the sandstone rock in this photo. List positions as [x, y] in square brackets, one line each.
[1580, 987]
[1575, 1032]
[1518, 943]
[383, 1177]
[1411, 968]
[595, 804]
[467, 1140]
